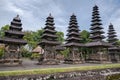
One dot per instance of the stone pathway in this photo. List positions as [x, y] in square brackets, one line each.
[29, 64]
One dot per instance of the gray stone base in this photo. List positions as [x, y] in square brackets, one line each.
[49, 62]
[11, 61]
[72, 61]
[97, 62]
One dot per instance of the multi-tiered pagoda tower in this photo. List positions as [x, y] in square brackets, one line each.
[99, 47]
[49, 42]
[73, 42]
[96, 29]
[114, 50]
[112, 35]
[13, 40]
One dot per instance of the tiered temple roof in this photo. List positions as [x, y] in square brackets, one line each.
[112, 39]
[49, 42]
[14, 34]
[73, 38]
[49, 36]
[112, 35]
[96, 30]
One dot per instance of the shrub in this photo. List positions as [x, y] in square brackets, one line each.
[113, 77]
[25, 53]
[65, 52]
[1, 51]
[35, 56]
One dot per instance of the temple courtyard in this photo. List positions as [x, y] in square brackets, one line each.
[32, 64]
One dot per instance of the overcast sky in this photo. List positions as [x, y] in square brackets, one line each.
[34, 12]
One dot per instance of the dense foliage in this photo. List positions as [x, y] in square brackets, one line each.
[33, 38]
[1, 51]
[60, 36]
[25, 52]
[85, 36]
[113, 77]
[3, 29]
[35, 56]
[65, 52]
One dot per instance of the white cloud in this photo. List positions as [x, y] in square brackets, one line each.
[110, 13]
[115, 20]
[34, 12]
[12, 7]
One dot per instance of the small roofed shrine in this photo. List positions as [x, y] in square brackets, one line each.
[73, 42]
[38, 50]
[99, 48]
[13, 40]
[49, 42]
[114, 50]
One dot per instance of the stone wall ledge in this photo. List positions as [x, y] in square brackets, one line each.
[74, 75]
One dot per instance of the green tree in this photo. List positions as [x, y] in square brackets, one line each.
[33, 38]
[29, 38]
[65, 52]
[37, 35]
[118, 42]
[2, 48]
[3, 29]
[85, 36]
[25, 52]
[60, 36]
[85, 39]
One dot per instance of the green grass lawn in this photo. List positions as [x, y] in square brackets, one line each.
[56, 70]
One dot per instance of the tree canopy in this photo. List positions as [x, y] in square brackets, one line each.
[60, 36]
[34, 37]
[85, 36]
[3, 29]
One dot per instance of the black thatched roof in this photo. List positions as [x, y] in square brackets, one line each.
[14, 35]
[73, 34]
[60, 48]
[46, 42]
[114, 48]
[112, 37]
[73, 38]
[73, 44]
[15, 32]
[49, 31]
[49, 36]
[98, 44]
[46, 35]
[97, 37]
[96, 29]
[49, 27]
[71, 29]
[16, 27]
[17, 18]
[16, 24]
[7, 40]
